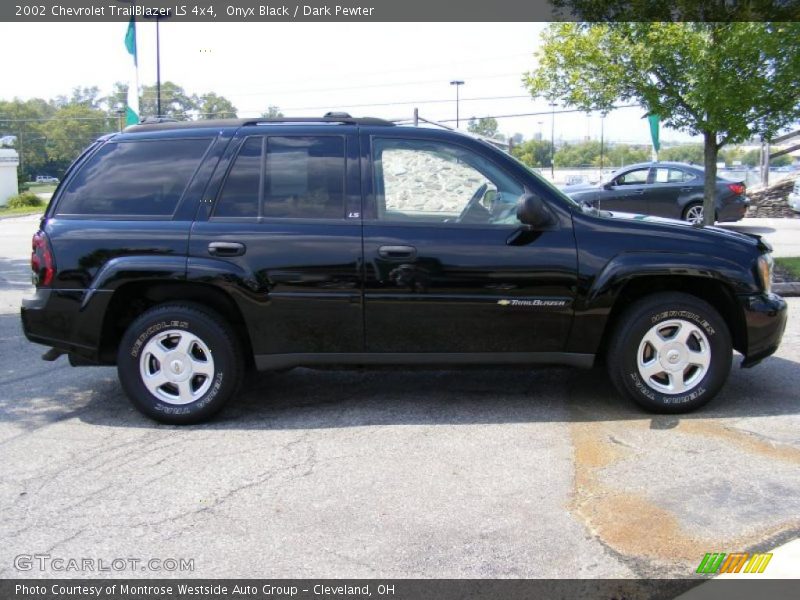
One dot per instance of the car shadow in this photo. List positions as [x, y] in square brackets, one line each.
[35, 394]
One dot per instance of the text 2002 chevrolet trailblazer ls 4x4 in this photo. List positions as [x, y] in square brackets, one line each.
[186, 253]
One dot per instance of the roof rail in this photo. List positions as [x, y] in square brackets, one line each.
[153, 123]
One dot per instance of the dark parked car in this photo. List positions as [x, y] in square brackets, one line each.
[187, 253]
[663, 189]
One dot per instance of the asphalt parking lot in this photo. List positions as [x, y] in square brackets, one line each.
[478, 473]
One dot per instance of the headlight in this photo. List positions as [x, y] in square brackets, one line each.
[765, 263]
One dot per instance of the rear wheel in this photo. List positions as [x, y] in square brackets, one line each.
[694, 213]
[179, 363]
[670, 353]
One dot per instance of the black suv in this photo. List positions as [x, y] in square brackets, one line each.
[185, 253]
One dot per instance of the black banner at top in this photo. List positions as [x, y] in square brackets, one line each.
[399, 10]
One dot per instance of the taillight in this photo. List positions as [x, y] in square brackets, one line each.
[737, 188]
[42, 263]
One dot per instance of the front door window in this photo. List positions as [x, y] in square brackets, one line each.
[419, 181]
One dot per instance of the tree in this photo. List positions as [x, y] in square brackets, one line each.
[71, 129]
[24, 119]
[272, 112]
[619, 155]
[724, 81]
[534, 153]
[485, 126]
[686, 153]
[212, 106]
[175, 102]
[584, 154]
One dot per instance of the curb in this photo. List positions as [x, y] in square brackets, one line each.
[20, 215]
[787, 289]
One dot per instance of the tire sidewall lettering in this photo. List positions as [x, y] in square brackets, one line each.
[642, 388]
[152, 330]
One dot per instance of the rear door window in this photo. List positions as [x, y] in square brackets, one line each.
[298, 177]
[140, 178]
[241, 193]
[304, 177]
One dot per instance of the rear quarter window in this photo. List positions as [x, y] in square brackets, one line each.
[138, 178]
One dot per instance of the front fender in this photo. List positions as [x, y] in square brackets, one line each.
[596, 301]
[624, 267]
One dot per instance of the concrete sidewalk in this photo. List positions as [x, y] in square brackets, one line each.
[783, 234]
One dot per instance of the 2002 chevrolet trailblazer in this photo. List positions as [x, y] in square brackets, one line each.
[185, 253]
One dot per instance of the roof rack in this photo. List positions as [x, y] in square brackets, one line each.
[156, 123]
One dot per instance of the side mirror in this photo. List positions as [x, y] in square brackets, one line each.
[532, 211]
[608, 185]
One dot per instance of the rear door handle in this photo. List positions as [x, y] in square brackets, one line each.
[686, 189]
[397, 252]
[226, 249]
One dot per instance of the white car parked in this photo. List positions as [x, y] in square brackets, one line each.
[794, 196]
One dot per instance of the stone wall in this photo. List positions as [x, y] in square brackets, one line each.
[423, 182]
[771, 201]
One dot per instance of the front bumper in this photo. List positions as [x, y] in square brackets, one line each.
[765, 319]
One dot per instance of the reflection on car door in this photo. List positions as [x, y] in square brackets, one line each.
[627, 192]
[287, 221]
[667, 185]
[442, 271]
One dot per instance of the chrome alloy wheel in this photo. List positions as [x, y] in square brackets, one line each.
[176, 367]
[695, 214]
[673, 356]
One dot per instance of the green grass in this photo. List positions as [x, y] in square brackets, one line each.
[790, 265]
[41, 188]
[22, 210]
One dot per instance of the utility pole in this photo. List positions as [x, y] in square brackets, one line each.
[553, 142]
[602, 142]
[458, 83]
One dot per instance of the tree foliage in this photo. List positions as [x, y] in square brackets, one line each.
[725, 81]
[534, 153]
[52, 133]
[212, 106]
[485, 126]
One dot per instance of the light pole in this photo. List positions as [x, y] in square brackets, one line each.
[602, 141]
[158, 19]
[458, 83]
[553, 141]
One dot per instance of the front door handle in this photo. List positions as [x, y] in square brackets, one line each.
[397, 252]
[226, 249]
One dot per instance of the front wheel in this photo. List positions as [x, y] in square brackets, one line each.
[179, 363]
[670, 353]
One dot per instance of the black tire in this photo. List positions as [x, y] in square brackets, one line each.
[628, 340]
[212, 331]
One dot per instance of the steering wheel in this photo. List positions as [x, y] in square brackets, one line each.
[473, 202]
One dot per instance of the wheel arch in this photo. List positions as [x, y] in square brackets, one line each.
[717, 293]
[132, 299]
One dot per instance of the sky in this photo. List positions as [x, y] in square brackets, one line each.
[367, 69]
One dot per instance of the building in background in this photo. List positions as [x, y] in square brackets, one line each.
[9, 161]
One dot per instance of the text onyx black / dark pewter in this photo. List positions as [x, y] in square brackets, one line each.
[188, 253]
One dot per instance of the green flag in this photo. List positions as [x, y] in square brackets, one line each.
[655, 120]
[132, 108]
